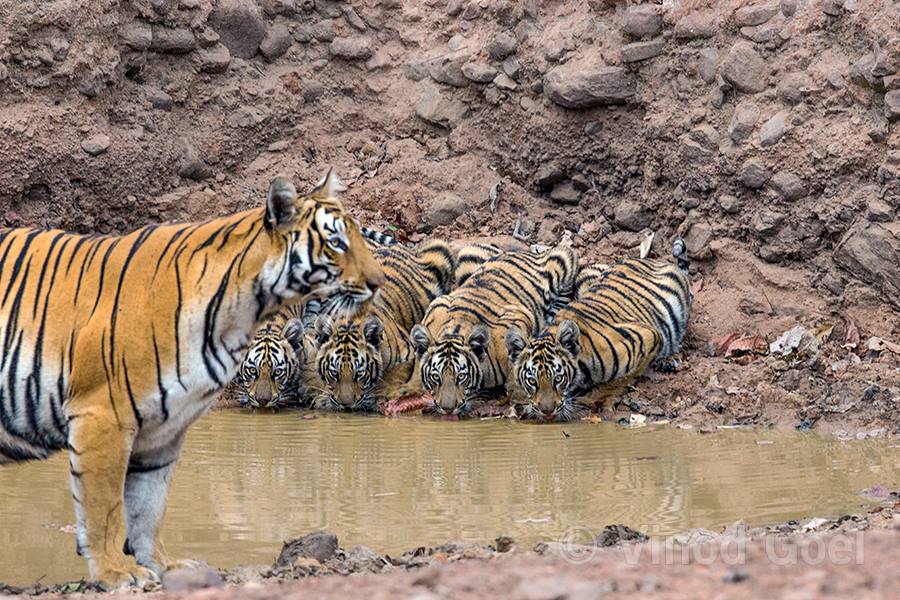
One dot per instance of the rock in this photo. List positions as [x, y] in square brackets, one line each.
[247, 116]
[833, 8]
[766, 221]
[172, 40]
[502, 45]
[632, 216]
[163, 7]
[788, 185]
[772, 130]
[362, 559]
[754, 174]
[159, 99]
[91, 83]
[503, 82]
[448, 69]
[207, 37]
[638, 51]
[511, 66]
[871, 252]
[278, 7]
[186, 580]
[351, 48]
[214, 59]
[276, 42]
[613, 535]
[697, 239]
[320, 545]
[744, 119]
[755, 14]
[793, 86]
[137, 35]
[323, 31]
[698, 24]
[565, 193]
[862, 72]
[96, 144]
[353, 19]
[548, 174]
[643, 21]
[879, 211]
[479, 72]
[745, 69]
[788, 7]
[707, 64]
[437, 109]
[192, 165]
[892, 105]
[416, 70]
[442, 209]
[240, 26]
[729, 204]
[583, 84]
[772, 34]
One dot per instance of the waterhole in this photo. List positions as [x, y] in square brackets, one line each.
[246, 482]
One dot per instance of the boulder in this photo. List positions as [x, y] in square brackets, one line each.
[276, 42]
[755, 14]
[632, 216]
[172, 40]
[442, 209]
[137, 35]
[788, 185]
[745, 69]
[585, 83]
[448, 69]
[754, 174]
[697, 24]
[503, 82]
[502, 45]
[638, 51]
[766, 222]
[871, 252]
[240, 26]
[643, 21]
[440, 110]
[744, 119]
[479, 72]
[214, 59]
[351, 48]
[772, 130]
[320, 545]
[792, 87]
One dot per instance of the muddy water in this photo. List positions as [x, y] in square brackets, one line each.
[248, 481]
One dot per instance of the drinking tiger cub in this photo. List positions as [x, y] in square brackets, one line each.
[363, 358]
[113, 346]
[625, 318]
[459, 344]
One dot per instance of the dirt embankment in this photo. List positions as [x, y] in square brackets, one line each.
[765, 132]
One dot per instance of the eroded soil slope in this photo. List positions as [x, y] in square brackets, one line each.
[765, 132]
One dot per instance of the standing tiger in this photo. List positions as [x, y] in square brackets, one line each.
[364, 357]
[459, 345]
[625, 318]
[113, 346]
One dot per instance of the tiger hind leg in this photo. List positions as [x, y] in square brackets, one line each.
[99, 448]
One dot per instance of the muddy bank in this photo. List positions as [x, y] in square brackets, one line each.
[815, 556]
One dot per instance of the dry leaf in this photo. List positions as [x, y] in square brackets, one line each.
[696, 286]
[645, 245]
[877, 344]
[721, 344]
[823, 332]
[851, 338]
[735, 344]
[407, 404]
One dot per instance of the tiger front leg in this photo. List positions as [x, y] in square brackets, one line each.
[99, 450]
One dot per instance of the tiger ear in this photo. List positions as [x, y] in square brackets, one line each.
[420, 339]
[324, 328]
[280, 208]
[515, 343]
[328, 187]
[373, 331]
[569, 337]
[479, 339]
[293, 333]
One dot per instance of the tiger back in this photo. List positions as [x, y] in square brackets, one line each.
[459, 345]
[362, 358]
[626, 317]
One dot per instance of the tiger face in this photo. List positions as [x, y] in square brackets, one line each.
[545, 370]
[323, 244]
[269, 375]
[349, 362]
[451, 367]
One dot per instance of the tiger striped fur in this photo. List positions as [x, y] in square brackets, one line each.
[459, 345]
[113, 346]
[626, 317]
[362, 358]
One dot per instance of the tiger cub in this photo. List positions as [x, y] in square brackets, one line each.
[362, 356]
[625, 318]
[459, 345]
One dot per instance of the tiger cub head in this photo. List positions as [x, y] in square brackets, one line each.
[269, 375]
[323, 247]
[349, 362]
[544, 370]
[451, 366]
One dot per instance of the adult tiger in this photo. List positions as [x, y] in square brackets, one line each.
[276, 370]
[624, 319]
[362, 359]
[459, 344]
[113, 346]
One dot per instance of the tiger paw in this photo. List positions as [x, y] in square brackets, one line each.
[126, 577]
